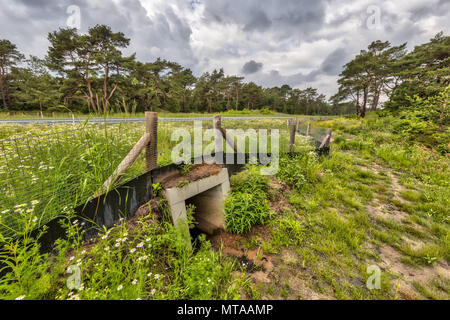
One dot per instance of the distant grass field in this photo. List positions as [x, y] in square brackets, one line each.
[68, 115]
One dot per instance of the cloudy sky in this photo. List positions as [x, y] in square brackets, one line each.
[299, 42]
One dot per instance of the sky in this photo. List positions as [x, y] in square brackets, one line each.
[301, 43]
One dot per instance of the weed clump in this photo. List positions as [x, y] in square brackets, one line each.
[247, 204]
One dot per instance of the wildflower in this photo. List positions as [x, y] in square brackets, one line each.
[117, 244]
[34, 219]
[83, 252]
[105, 237]
[5, 211]
[35, 202]
[153, 292]
[157, 276]
[140, 245]
[148, 239]
[119, 288]
[134, 282]
[107, 249]
[132, 250]
[20, 297]
[149, 274]
[71, 258]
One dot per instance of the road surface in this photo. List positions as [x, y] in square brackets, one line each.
[118, 120]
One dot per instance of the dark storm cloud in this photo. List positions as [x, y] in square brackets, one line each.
[259, 21]
[331, 66]
[440, 9]
[333, 63]
[286, 18]
[251, 67]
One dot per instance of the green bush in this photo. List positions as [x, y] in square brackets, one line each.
[266, 110]
[297, 171]
[244, 210]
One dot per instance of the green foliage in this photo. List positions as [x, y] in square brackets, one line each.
[298, 170]
[244, 210]
[186, 168]
[266, 110]
[146, 262]
[182, 183]
[156, 187]
[249, 181]
[203, 276]
[247, 203]
[286, 231]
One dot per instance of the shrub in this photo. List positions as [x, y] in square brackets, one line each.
[244, 210]
[266, 110]
[299, 170]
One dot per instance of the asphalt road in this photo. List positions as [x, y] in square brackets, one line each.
[117, 120]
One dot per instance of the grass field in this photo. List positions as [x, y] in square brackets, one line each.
[315, 227]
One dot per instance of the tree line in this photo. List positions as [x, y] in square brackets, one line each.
[89, 73]
[398, 76]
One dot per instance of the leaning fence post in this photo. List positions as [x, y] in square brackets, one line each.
[308, 129]
[292, 140]
[151, 150]
[326, 140]
[218, 139]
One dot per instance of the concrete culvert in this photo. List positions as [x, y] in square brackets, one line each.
[207, 195]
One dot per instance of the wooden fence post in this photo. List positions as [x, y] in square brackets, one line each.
[126, 163]
[218, 138]
[326, 140]
[151, 150]
[308, 129]
[292, 132]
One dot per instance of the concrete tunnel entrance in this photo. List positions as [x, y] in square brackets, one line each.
[207, 195]
[208, 210]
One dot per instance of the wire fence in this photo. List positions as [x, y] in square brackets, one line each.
[43, 176]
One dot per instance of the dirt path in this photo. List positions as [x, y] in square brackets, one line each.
[391, 258]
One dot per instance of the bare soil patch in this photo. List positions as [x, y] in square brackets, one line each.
[197, 172]
[408, 274]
